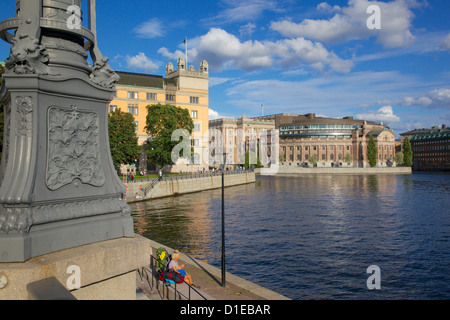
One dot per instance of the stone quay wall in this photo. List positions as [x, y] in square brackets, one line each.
[172, 186]
[286, 169]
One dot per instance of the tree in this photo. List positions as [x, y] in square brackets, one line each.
[372, 152]
[399, 158]
[407, 152]
[161, 123]
[348, 158]
[313, 160]
[123, 139]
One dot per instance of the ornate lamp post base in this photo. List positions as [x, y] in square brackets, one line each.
[59, 188]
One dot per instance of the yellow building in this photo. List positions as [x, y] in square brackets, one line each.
[180, 87]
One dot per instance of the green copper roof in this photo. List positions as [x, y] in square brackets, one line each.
[431, 136]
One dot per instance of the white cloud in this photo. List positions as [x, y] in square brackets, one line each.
[238, 11]
[422, 101]
[152, 28]
[350, 23]
[223, 50]
[326, 7]
[142, 62]
[213, 115]
[336, 95]
[171, 55]
[247, 30]
[446, 43]
[440, 98]
[436, 99]
[215, 81]
[384, 114]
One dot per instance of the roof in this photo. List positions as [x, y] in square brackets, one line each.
[319, 120]
[140, 80]
[431, 135]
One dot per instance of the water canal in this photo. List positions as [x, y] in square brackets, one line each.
[314, 236]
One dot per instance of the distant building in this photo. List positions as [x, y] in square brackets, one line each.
[430, 147]
[335, 142]
[234, 132]
[188, 89]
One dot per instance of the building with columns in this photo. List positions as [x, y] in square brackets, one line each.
[334, 142]
[238, 136]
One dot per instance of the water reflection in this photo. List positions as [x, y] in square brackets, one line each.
[329, 228]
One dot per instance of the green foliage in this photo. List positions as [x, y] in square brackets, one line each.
[313, 160]
[348, 158]
[372, 152]
[407, 152]
[399, 158]
[162, 121]
[123, 138]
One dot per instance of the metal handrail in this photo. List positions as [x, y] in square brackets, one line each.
[187, 175]
[166, 285]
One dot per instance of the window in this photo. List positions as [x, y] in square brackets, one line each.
[194, 100]
[170, 97]
[112, 108]
[133, 109]
[132, 95]
[151, 96]
[194, 114]
[197, 126]
[137, 125]
[195, 159]
[323, 157]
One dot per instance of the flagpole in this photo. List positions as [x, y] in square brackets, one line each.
[185, 41]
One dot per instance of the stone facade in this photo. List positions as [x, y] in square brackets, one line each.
[240, 135]
[332, 142]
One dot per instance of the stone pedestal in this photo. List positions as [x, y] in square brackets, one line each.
[106, 270]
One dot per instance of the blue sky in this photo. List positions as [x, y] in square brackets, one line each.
[292, 56]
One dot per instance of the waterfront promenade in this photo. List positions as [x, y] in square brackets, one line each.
[184, 184]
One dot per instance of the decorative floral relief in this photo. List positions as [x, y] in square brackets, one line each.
[24, 110]
[73, 148]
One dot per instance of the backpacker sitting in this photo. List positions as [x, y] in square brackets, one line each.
[162, 267]
[173, 265]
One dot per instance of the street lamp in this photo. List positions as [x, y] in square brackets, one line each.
[223, 218]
